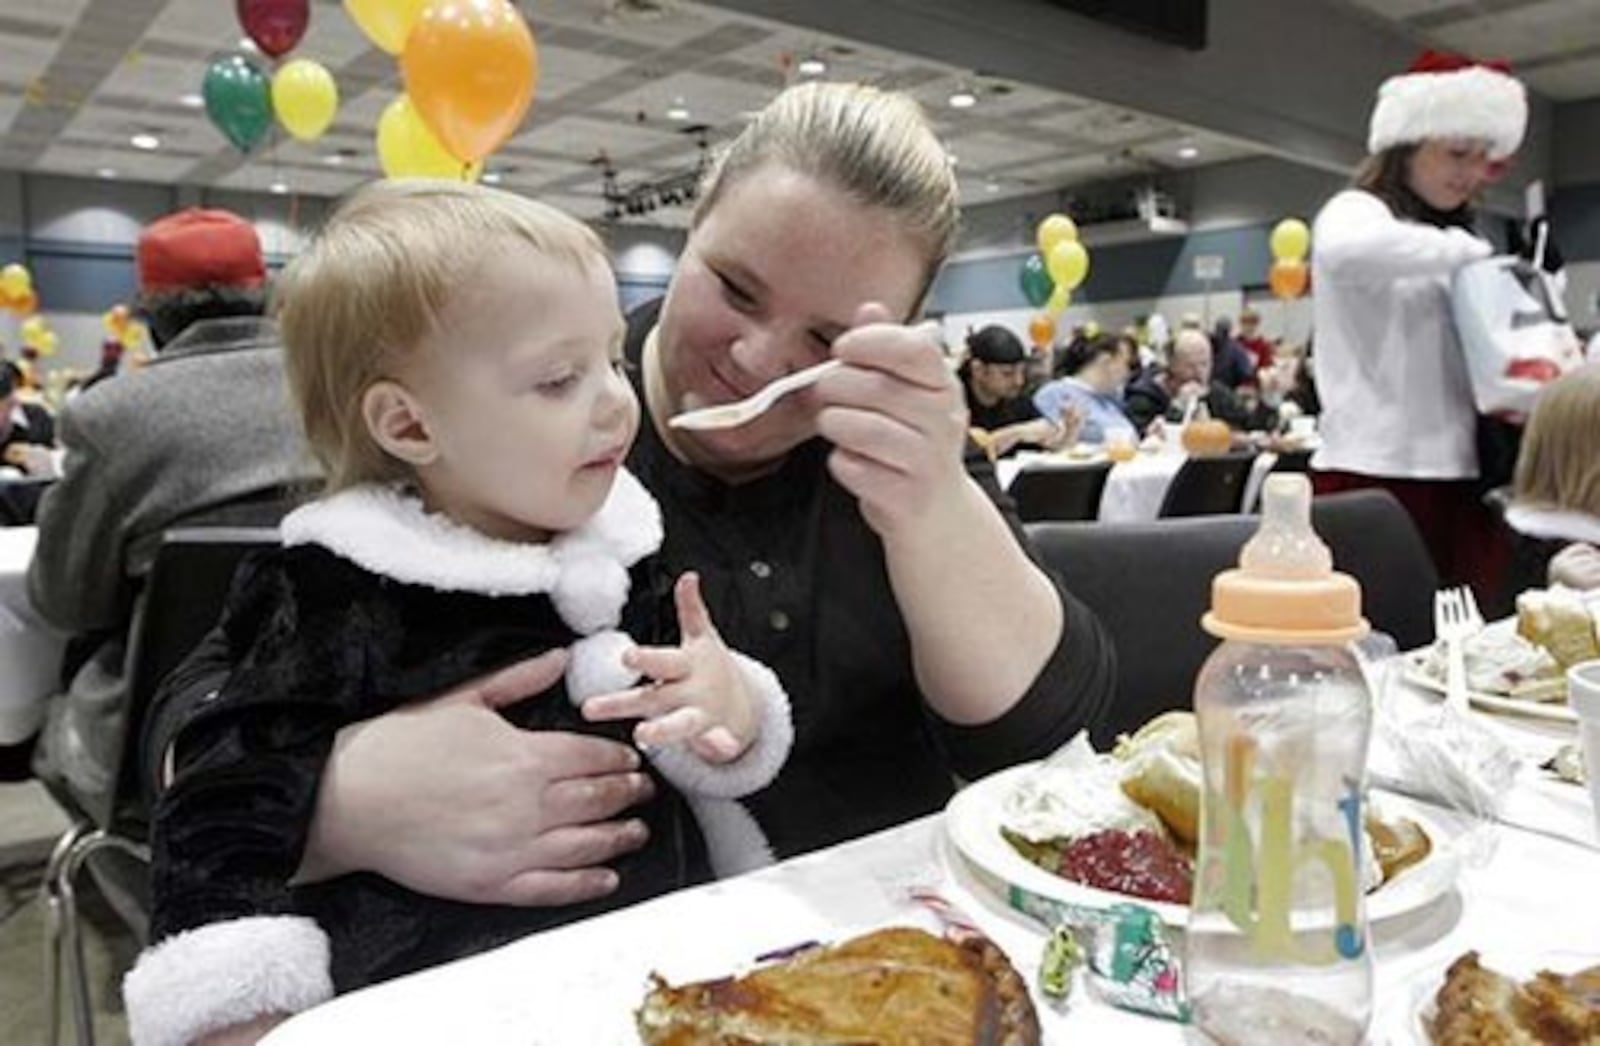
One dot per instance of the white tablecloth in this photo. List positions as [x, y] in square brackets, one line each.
[579, 984]
[30, 650]
[1134, 489]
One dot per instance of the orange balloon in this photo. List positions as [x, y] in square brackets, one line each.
[26, 303]
[470, 69]
[1041, 331]
[1289, 279]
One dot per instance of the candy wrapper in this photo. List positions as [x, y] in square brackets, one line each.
[1132, 964]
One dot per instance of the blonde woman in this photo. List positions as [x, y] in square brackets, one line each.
[1555, 509]
[839, 539]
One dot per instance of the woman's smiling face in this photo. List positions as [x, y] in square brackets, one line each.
[770, 276]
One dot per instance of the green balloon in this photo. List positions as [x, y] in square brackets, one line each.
[238, 100]
[1036, 282]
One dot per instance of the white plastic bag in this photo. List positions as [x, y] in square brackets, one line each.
[1514, 332]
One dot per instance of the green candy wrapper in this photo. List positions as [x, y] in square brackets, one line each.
[1132, 964]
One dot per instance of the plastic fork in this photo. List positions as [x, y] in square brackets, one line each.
[1455, 620]
[731, 415]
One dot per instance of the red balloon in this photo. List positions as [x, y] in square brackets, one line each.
[275, 25]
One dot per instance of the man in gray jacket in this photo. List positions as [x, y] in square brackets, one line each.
[205, 426]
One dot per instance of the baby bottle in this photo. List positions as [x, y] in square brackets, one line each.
[1277, 947]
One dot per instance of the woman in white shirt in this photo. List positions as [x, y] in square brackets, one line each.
[1397, 406]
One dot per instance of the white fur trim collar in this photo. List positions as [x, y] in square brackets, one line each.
[1553, 523]
[387, 531]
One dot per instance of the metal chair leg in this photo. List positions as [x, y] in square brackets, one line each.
[50, 892]
[64, 938]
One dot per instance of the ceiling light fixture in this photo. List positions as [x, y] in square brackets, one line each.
[107, 172]
[334, 160]
[146, 141]
[192, 101]
[811, 65]
[247, 44]
[991, 185]
[1188, 152]
[678, 110]
[278, 188]
[963, 98]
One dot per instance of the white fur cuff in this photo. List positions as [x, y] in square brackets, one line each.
[760, 763]
[226, 973]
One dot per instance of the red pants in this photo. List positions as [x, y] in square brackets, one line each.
[1466, 541]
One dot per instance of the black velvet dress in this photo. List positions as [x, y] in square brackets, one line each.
[320, 643]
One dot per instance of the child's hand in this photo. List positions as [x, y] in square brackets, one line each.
[699, 695]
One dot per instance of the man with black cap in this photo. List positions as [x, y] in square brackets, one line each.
[1002, 419]
[205, 428]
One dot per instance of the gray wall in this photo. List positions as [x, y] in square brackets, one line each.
[77, 238]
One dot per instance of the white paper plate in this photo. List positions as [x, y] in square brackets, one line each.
[974, 816]
[1558, 711]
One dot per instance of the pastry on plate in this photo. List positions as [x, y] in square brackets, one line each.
[1477, 1005]
[1558, 620]
[893, 987]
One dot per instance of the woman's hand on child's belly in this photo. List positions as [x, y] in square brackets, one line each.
[447, 798]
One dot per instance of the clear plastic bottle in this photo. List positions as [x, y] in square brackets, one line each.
[1277, 948]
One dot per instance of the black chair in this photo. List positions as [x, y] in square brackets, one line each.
[1293, 461]
[1064, 493]
[1208, 486]
[1150, 582]
[180, 602]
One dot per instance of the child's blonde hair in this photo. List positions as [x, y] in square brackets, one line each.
[373, 283]
[876, 145]
[1559, 464]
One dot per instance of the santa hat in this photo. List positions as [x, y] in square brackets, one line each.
[1445, 95]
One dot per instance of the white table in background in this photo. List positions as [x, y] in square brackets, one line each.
[579, 984]
[1135, 488]
[30, 650]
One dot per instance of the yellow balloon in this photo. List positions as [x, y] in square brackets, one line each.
[304, 97]
[32, 329]
[1060, 298]
[15, 281]
[407, 149]
[1057, 228]
[387, 23]
[1068, 263]
[1291, 239]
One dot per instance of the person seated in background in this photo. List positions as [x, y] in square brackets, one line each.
[455, 355]
[207, 423]
[1002, 419]
[1172, 393]
[1096, 369]
[1554, 515]
[1251, 340]
[1231, 363]
[27, 430]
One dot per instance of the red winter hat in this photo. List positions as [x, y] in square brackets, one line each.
[1448, 95]
[200, 247]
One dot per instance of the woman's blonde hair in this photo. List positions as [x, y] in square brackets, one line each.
[1559, 464]
[876, 145]
[374, 282]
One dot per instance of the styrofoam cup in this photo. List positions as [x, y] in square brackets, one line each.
[1583, 694]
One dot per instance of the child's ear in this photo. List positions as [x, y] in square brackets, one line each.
[396, 421]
